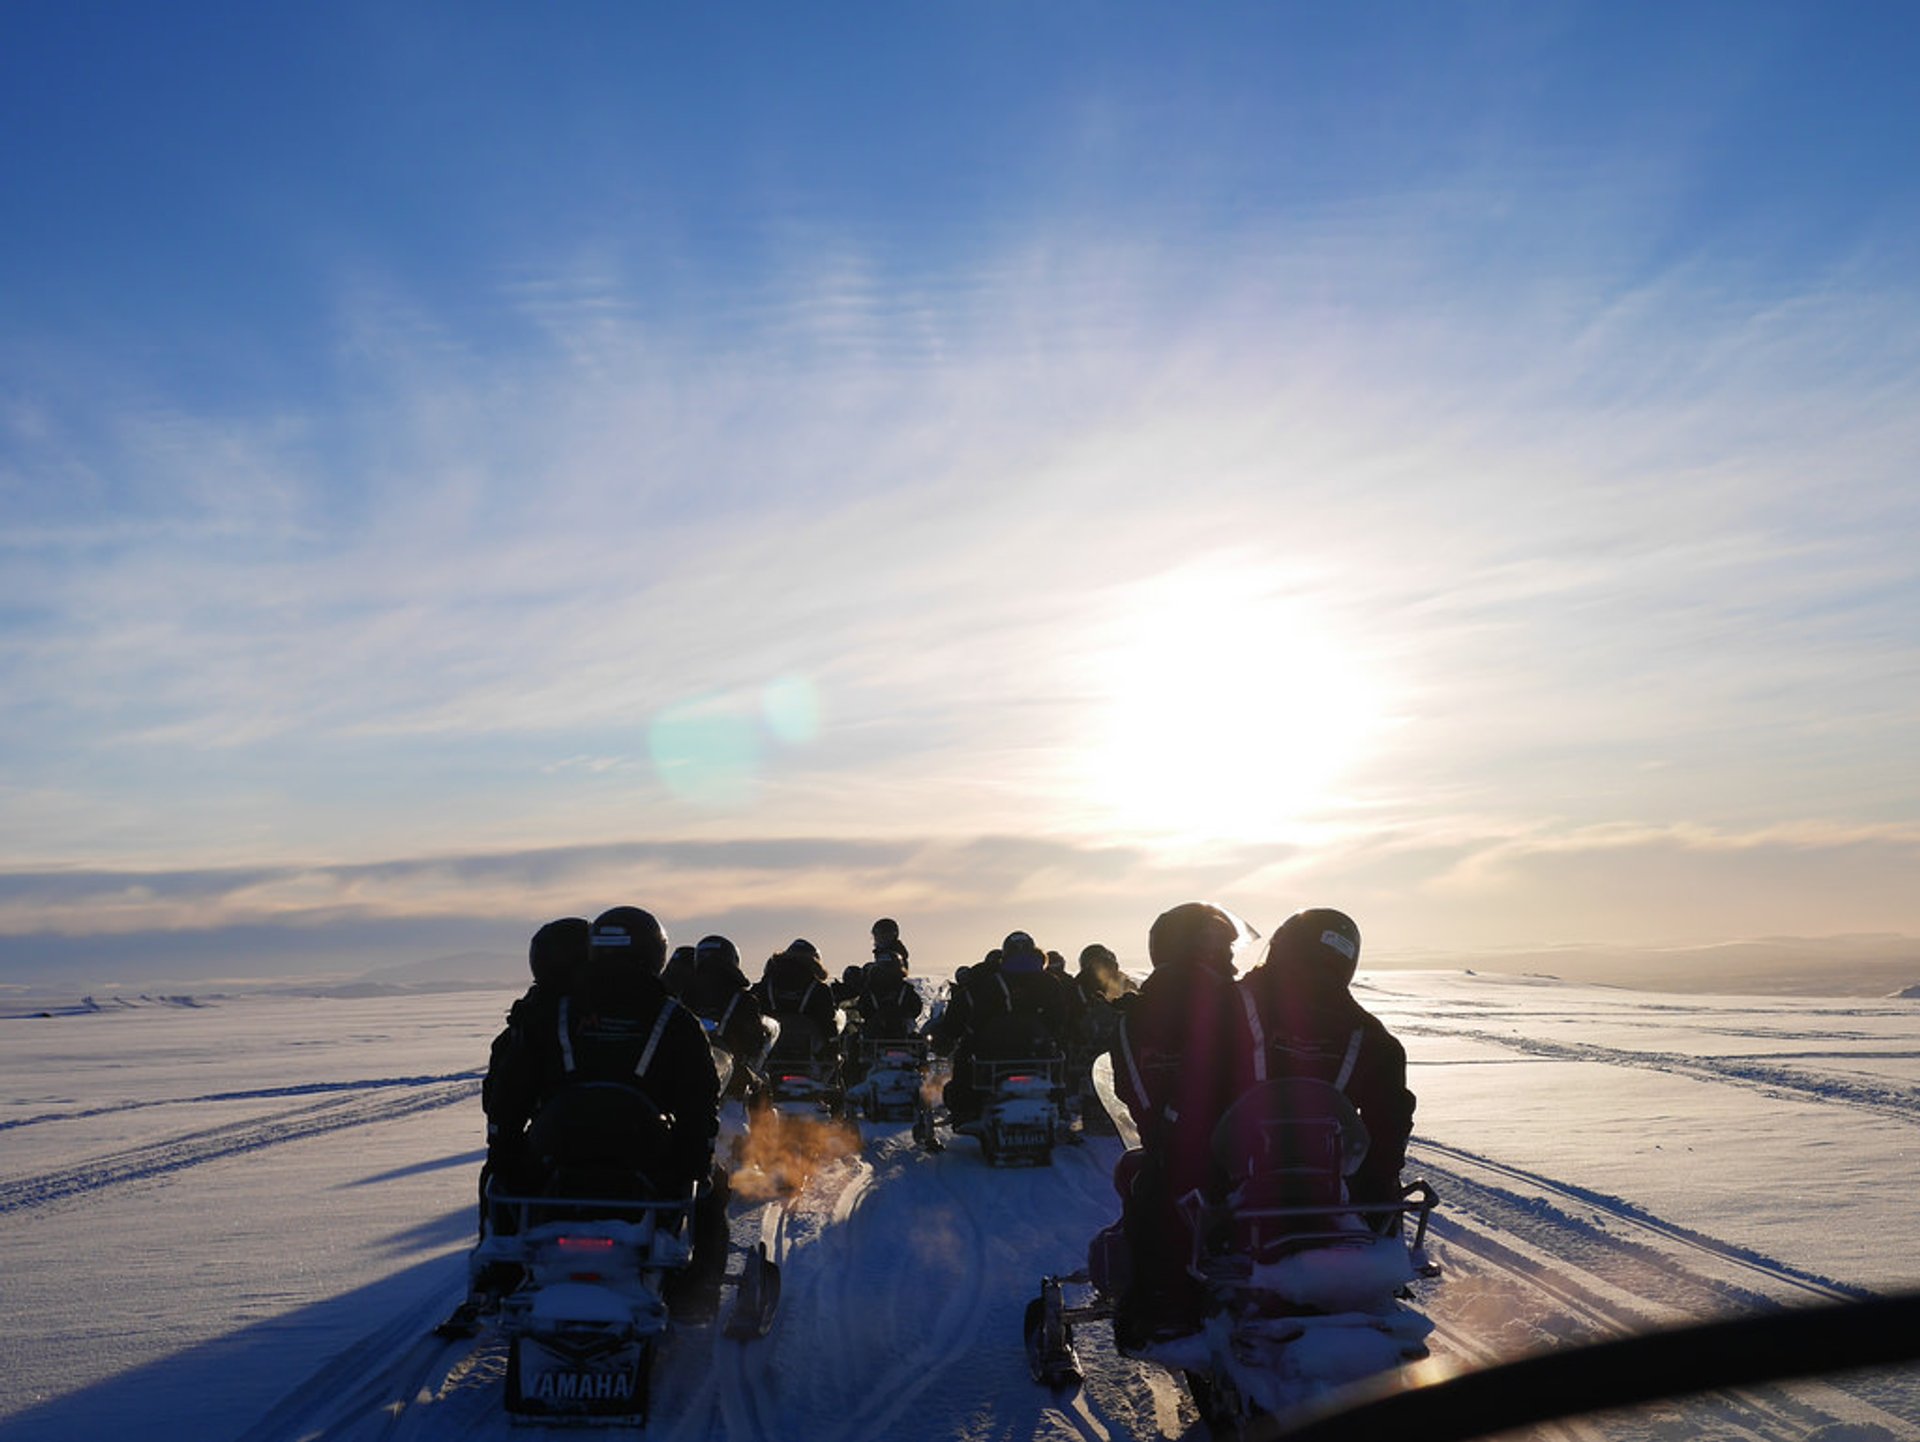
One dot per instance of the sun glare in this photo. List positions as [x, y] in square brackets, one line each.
[1225, 712]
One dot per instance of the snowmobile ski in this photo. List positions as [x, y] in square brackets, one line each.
[757, 1298]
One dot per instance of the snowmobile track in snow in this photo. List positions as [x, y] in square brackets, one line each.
[338, 1111]
[1897, 1101]
[1598, 1280]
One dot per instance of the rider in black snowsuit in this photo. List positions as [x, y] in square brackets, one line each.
[1305, 1023]
[1180, 1060]
[718, 991]
[794, 987]
[512, 1090]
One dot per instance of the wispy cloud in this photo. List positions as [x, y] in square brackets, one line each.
[1625, 544]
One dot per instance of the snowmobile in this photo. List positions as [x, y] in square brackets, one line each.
[893, 1083]
[803, 1069]
[1021, 1118]
[1305, 1289]
[584, 1276]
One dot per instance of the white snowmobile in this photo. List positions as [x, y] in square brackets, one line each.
[1021, 1119]
[1305, 1289]
[893, 1085]
[585, 1278]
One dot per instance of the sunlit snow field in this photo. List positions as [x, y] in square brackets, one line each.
[239, 1218]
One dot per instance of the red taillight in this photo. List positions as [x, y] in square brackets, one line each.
[795, 1078]
[1019, 1078]
[595, 1244]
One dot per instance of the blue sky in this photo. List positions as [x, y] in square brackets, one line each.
[997, 465]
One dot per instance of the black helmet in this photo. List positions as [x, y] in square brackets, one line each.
[887, 927]
[630, 937]
[1195, 932]
[1318, 941]
[716, 951]
[558, 952]
[800, 946]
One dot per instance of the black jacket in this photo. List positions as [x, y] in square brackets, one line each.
[621, 1033]
[1308, 1027]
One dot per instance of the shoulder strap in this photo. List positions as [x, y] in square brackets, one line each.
[566, 1035]
[1347, 1062]
[1133, 1074]
[1257, 1031]
[653, 1039]
[727, 1015]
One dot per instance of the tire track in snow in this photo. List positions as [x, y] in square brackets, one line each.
[191, 1149]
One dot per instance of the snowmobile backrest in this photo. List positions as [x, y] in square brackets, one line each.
[601, 1138]
[1294, 1126]
[800, 1038]
[1015, 1036]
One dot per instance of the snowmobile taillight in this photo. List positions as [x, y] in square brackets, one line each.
[1018, 1079]
[585, 1244]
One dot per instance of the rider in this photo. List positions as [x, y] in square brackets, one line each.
[888, 1003]
[637, 1091]
[1305, 1023]
[1009, 1006]
[717, 991]
[1180, 1060]
[886, 937]
[517, 1067]
[794, 984]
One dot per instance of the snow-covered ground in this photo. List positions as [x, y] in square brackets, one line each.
[239, 1219]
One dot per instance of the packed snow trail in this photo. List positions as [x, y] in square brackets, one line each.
[905, 1276]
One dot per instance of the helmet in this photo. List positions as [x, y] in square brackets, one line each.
[1319, 941]
[800, 946]
[558, 951]
[1197, 932]
[716, 951]
[631, 936]
[888, 928]
[1019, 955]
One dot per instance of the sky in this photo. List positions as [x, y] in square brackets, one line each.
[994, 465]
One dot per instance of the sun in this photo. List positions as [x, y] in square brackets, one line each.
[1224, 708]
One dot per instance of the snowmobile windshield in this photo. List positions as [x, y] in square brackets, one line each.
[1246, 941]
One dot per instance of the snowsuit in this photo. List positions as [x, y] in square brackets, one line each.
[718, 992]
[796, 986]
[511, 1092]
[1180, 1060]
[1303, 1024]
[888, 1004]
